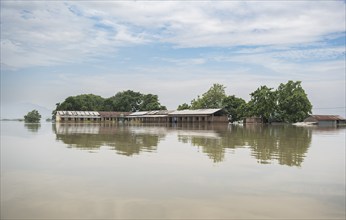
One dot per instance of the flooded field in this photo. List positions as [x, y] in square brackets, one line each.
[194, 171]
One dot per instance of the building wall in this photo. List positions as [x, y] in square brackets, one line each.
[341, 122]
[220, 119]
[76, 119]
[327, 123]
[57, 117]
[198, 119]
[163, 118]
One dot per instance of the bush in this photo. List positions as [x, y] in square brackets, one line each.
[32, 117]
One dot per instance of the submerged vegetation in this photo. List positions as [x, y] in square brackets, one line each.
[32, 117]
[288, 103]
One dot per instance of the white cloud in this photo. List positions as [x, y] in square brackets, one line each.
[56, 32]
[182, 62]
[252, 43]
[314, 54]
[301, 64]
[44, 34]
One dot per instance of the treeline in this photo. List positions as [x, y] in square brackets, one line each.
[125, 101]
[288, 103]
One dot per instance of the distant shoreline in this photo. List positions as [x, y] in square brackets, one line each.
[21, 120]
[15, 119]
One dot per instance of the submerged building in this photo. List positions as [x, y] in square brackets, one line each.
[159, 116]
[326, 120]
[77, 116]
[198, 115]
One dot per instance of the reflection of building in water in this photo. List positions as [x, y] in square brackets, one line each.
[125, 140]
[67, 128]
[288, 145]
[285, 144]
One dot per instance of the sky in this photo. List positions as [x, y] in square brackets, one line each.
[51, 50]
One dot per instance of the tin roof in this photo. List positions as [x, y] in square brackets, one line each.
[159, 112]
[138, 113]
[196, 111]
[113, 114]
[151, 113]
[327, 117]
[78, 113]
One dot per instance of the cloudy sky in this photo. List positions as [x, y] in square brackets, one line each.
[176, 49]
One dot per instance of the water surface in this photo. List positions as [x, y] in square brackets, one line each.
[199, 171]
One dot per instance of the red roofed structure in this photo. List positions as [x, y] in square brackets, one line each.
[326, 119]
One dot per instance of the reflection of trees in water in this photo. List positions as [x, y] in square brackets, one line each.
[123, 139]
[286, 144]
[212, 146]
[33, 127]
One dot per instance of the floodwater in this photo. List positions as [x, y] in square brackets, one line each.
[201, 171]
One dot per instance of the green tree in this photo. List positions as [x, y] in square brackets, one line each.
[293, 104]
[216, 97]
[234, 107]
[32, 117]
[262, 103]
[108, 104]
[150, 102]
[127, 101]
[183, 106]
[213, 98]
[130, 101]
[84, 102]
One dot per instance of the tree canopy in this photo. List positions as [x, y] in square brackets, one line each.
[85, 102]
[235, 107]
[262, 103]
[213, 98]
[32, 117]
[292, 102]
[289, 103]
[183, 106]
[126, 101]
[151, 102]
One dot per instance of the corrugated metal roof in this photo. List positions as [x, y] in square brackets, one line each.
[113, 114]
[327, 117]
[196, 111]
[158, 112]
[152, 112]
[78, 113]
[164, 112]
[154, 116]
[138, 113]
